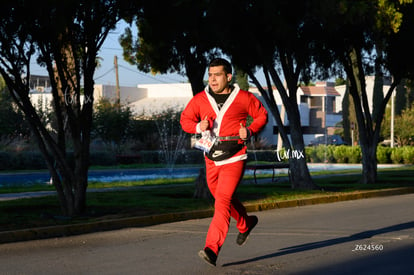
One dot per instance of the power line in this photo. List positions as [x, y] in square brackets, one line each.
[112, 49]
[107, 72]
[146, 75]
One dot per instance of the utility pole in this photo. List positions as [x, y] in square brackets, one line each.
[352, 133]
[118, 92]
[392, 120]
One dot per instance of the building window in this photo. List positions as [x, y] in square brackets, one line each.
[303, 99]
[316, 102]
[330, 105]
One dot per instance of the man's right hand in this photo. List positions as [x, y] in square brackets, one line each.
[204, 124]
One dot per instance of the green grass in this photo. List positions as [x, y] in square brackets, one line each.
[177, 196]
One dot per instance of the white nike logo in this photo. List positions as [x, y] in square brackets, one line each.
[217, 153]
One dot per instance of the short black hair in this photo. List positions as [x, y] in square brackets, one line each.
[221, 62]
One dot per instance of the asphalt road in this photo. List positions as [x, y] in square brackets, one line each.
[367, 236]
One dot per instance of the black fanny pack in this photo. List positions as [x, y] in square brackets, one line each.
[224, 149]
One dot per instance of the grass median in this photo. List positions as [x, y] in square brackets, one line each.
[152, 197]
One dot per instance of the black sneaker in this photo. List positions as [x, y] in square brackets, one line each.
[208, 256]
[242, 237]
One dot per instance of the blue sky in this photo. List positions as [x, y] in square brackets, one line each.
[129, 75]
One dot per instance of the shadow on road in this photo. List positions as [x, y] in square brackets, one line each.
[315, 245]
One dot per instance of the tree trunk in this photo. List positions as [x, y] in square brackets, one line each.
[195, 68]
[71, 181]
[300, 175]
[68, 50]
[201, 189]
[80, 186]
[369, 163]
[367, 136]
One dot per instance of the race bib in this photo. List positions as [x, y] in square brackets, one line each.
[205, 142]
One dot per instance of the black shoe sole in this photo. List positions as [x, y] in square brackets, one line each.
[247, 233]
[202, 254]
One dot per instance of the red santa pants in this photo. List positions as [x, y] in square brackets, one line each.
[222, 182]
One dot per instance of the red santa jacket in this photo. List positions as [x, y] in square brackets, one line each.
[226, 121]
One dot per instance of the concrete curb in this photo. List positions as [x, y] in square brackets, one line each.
[113, 224]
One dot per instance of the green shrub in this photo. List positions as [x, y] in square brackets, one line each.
[397, 155]
[21, 161]
[384, 154]
[32, 160]
[102, 158]
[317, 154]
[354, 154]
[150, 156]
[182, 157]
[320, 153]
[408, 154]
[310, 154]
[340, 154]
[193, 157]
[330, 153]
[314, 154]
[262, 155]
[324, 153]
[5, 163]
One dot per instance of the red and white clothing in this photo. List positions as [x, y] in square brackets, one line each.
[224, 176]
[226, 121]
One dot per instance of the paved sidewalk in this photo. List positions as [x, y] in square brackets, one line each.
[25, 195]
[36, 194]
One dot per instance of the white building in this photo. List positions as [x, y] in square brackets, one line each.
[162, 97]
[319, 105]
[369, 82]
[127, 94]
[150, 99]
[154, 98]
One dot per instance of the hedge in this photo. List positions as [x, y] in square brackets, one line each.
[353, 154]
[314, 154]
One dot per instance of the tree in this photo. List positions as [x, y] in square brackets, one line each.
[171, 136]
[410, 91]
[401, 97]
[348, 118]
[171, 39]
[281, 38]
[143, 133]
[111, 123]
[66, 36]
[404, 127]
[242, 79]
[181, 45]
[355, 31]
[12, 123]
[378, 94]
